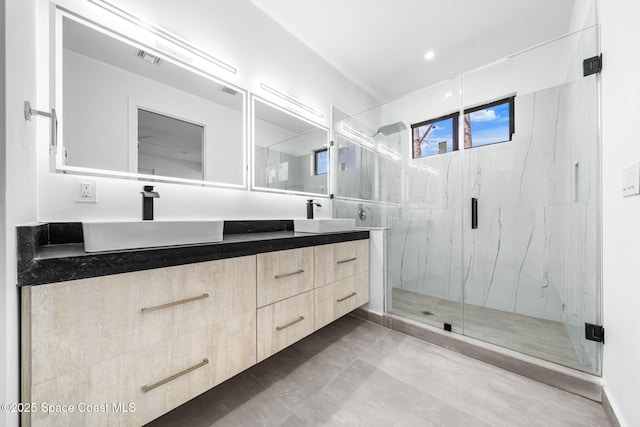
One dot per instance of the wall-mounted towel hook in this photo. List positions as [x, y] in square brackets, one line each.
[29, 111]
[28, 115]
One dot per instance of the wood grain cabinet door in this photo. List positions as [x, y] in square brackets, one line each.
[153, 339]
[340, 260]
[282, 323]
[284, 274]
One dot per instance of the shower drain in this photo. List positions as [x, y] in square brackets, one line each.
[427, 313]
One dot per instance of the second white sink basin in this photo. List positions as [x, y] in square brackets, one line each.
[323, 225]
[116, 235]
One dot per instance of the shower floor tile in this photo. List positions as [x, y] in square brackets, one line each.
[353, 373]
[536, 337]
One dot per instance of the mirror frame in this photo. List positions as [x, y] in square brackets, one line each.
[252, 110]
[57, 155]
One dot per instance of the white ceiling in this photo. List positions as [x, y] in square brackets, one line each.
[380, 44]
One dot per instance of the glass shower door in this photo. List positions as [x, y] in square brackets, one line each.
[424, 277]
[531, 188]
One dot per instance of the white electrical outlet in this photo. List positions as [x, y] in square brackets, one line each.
[85, 190]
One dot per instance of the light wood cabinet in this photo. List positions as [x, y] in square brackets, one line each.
[340, 260]
[341, 280]
[284, 274]
[126, 348]
[99, 341]
[283, 323]
[336, 299]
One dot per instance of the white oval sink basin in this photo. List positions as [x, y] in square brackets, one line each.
[323, 225]
[115, 235]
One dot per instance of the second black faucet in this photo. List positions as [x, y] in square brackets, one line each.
[147, 202]
[310, 204]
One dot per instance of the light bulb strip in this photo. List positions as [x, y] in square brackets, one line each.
[292, 100]
[161, 32]
[364, 139]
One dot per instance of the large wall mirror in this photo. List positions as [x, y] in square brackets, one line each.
[291, 154]
[127, 110]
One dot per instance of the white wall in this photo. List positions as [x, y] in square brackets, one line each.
[621, 228]
[19, 178]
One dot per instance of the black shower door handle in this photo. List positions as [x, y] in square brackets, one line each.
[474, 213]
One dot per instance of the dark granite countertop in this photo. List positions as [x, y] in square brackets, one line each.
[54, 252]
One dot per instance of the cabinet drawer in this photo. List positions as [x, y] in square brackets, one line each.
[339, 298]
[340, 260]
[173, 301]
[173, 371]
[77, 324]
[283, 323]
[284, 274]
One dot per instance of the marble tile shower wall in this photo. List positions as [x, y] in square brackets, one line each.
[425, 241]
[509, 260]
[389, 180]
[375, 184]
[377, 214]
[534, 251]
[372, 176]
[357, 182]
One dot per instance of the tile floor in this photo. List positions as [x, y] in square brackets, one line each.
[356, 373]
[536, 337]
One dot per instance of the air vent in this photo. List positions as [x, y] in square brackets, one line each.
[227, 89]
[152, 59]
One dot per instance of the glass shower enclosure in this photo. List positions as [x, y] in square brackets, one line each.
[489, 185]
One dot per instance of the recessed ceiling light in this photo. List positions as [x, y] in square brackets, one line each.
[429, 55]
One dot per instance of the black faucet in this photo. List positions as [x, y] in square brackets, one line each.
[310, 204]
[147, 202]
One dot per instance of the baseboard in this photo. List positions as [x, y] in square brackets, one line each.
[608, 409]
[379, 319]
[563, 378]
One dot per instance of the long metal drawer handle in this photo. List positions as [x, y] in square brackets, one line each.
[346, 260]
[299, 319]
[281, 276]
[172, 304]
[146, 388]
[353, 294]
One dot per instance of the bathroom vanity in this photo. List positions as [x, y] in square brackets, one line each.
[122, 337]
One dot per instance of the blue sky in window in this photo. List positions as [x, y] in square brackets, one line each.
[490, 125]
[322, 162]
[442, 131]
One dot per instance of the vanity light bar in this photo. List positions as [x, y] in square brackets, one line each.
[364, 139]
[161, 32]
[292, 100]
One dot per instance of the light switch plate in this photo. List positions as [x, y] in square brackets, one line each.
[631, 181]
